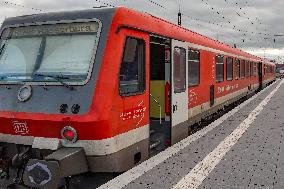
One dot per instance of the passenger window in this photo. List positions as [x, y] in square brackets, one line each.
[243, 69]
[264, 69]
[219, 68]
[247, 68]
[132, 70]
[254, 69]
[179, 70]
[251, 69]
[193, 68]
[229, 64]
[237, 68]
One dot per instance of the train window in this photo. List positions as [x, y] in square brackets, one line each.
[251, 69]
[263, 69]
[254, 69]
[243, 69]
[179, 70]
[193, 67]
[219, 68]
[247, 68]
[237, 68]
[229, 65]
[132, 70]
[45, 53]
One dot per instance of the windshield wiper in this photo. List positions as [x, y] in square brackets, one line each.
[57, 78]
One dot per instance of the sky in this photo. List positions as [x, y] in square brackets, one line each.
[249, 24]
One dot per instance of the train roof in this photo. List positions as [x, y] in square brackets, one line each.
[63, 15]
[135, 19]
[166, 28]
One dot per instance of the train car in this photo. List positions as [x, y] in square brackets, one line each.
[269, 72]
[101, 90]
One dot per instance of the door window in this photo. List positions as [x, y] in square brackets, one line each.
[179, 73]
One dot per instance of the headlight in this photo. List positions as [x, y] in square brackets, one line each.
[69, 134]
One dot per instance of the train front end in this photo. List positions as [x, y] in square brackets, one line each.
[49, 67]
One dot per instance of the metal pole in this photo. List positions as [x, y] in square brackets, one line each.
[179, 17]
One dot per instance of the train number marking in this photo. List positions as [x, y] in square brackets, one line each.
[227, 88]
[137, 113]
[134, 113]
[20, 128]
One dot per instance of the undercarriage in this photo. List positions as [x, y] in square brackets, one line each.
[24, 167]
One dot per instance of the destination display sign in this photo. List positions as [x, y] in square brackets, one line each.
[55, 29]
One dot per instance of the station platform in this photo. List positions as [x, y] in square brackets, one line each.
[242, 149]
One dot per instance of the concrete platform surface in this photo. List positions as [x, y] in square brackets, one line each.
[242, 149]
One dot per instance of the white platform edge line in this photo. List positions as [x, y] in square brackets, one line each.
[200, 172]
[136, 172]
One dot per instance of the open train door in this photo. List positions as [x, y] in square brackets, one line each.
[179, 102]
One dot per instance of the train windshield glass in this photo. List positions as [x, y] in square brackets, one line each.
[48, 53]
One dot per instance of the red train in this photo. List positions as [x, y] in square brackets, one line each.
[102, 90]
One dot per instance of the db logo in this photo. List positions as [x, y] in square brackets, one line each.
[20, 128]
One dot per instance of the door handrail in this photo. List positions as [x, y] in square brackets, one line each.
[159, 105]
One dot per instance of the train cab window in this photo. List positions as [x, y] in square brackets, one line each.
[254, 69]
[219, 69]
[229, 65]
[179, 70]
[251, 69]
[237, 68]
[193, 67]
[132, 70]
[243, 69]
[247, 68]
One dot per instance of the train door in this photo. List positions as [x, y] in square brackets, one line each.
[260, 67]
[159, 98]
[179, 89]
